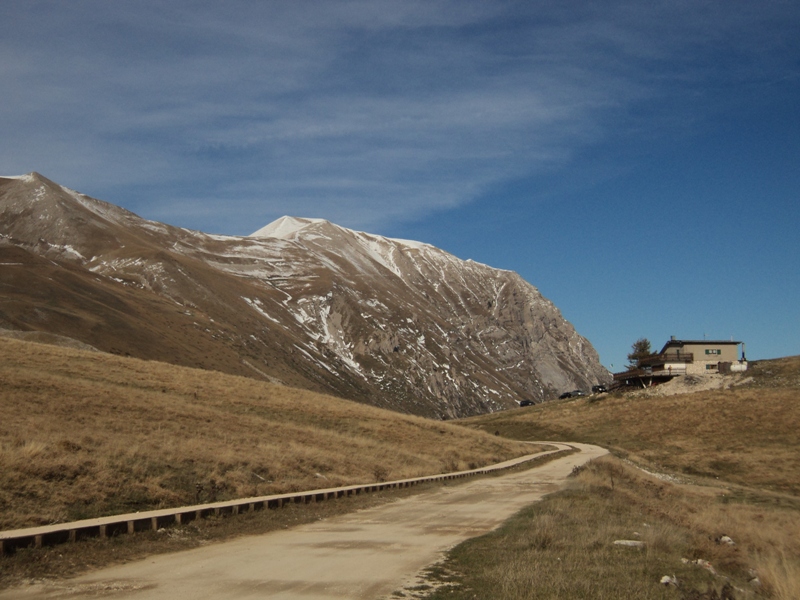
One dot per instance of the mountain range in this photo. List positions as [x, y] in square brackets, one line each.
[302, 302]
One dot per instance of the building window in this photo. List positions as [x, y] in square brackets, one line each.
[713, 351]
[711, 367]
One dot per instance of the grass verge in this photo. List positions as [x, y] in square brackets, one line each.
[735, 469]
[563, 547]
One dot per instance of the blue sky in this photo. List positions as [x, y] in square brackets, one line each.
[638, 162]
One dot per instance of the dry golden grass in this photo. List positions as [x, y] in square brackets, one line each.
[735, 452]
[86, 434]
[746, 435]
[564, 546]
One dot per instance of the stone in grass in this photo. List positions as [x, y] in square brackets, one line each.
[700, 563]
[629, 543]
[724, 539]
[667, 580]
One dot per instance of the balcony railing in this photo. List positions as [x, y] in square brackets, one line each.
[667, 357]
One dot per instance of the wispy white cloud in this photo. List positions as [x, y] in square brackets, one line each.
[362, 112]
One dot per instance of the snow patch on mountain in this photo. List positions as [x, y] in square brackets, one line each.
[285, 227]
[28, 177]
[256, 305]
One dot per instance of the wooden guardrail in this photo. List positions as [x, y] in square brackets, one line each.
[155, 519]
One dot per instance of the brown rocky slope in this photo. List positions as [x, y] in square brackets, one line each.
[397, 324]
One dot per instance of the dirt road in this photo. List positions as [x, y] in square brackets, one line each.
[367, 554]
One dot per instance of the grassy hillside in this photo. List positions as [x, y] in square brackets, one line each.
[716, 463]
[86, 434]
[746, 434]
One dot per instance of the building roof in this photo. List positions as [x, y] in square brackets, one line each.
[674, 342]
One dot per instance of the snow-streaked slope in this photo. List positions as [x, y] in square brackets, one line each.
[362, 249]
[392, 322]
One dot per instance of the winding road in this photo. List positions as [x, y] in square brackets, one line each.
[367, 554]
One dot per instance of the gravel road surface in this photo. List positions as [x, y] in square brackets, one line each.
[364, 555]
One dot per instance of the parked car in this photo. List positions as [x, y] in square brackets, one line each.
[599, 389]
[526, 403]
[565, 395]
[577, 393]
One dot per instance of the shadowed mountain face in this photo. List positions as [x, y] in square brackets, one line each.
[397, 324]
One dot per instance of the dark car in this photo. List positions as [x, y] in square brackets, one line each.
[526, 403]
[565, 395]
[578, 393]
[599, 389]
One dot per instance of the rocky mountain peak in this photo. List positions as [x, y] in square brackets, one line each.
[288, 228]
